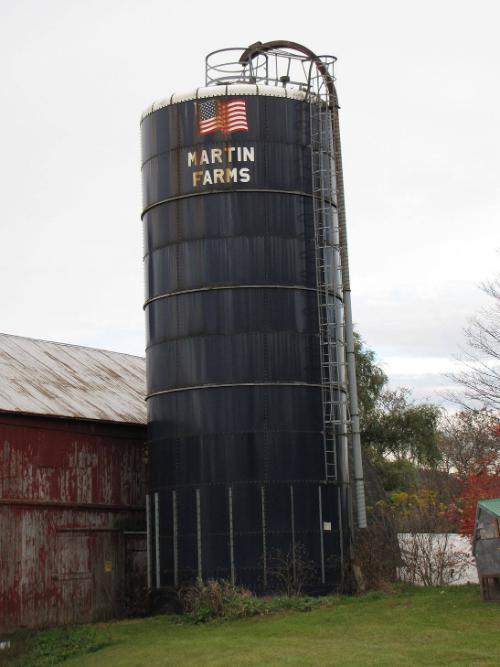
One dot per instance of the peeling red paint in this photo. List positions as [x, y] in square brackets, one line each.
[69, 490]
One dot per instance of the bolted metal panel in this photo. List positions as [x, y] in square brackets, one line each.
[235, 423]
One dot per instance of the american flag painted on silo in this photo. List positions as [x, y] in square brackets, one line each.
[226, 116]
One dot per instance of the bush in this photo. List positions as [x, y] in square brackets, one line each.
[202, 602]
[222, 600]
[290, 572]
[431, 559]
[424, 553]
[377, 553]
[398, 475]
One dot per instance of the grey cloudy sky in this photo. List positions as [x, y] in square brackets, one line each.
[419, 89]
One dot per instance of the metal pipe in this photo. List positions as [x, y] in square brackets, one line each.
[148, 539]
[292, 522]
[175, 539]
[198, 532]
[157, 539]
[231, 535]
[264, 546]
[359, 487]
[321, 528]
[357, 460]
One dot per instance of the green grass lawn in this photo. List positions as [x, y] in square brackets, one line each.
[429, 627]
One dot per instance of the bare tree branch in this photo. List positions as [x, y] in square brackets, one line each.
[480, 377]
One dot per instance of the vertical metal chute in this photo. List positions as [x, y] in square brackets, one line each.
[324, 102]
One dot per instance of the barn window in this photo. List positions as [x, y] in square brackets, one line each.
[489, 530]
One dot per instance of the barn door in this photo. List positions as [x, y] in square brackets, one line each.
[108, 575]
[136, 593]
[74, 576]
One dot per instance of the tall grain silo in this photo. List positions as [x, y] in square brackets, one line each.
[252, 408]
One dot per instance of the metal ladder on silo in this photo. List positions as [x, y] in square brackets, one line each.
[328, 282]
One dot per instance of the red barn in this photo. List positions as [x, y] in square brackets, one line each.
[72, 482]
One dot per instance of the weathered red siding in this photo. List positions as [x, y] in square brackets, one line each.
[71, 506]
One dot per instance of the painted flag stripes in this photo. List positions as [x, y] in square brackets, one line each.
[224, 116]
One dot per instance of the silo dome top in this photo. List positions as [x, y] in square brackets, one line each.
[225, 90]
[275, 69]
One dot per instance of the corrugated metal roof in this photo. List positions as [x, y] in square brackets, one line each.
[45, 378]
[492, 506]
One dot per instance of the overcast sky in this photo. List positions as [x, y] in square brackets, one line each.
[419, 89]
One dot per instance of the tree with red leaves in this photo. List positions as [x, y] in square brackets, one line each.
[481, 483]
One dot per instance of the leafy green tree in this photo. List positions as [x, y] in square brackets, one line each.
[397, 434]
[397, 476]
[402, 430]
[370, 377]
